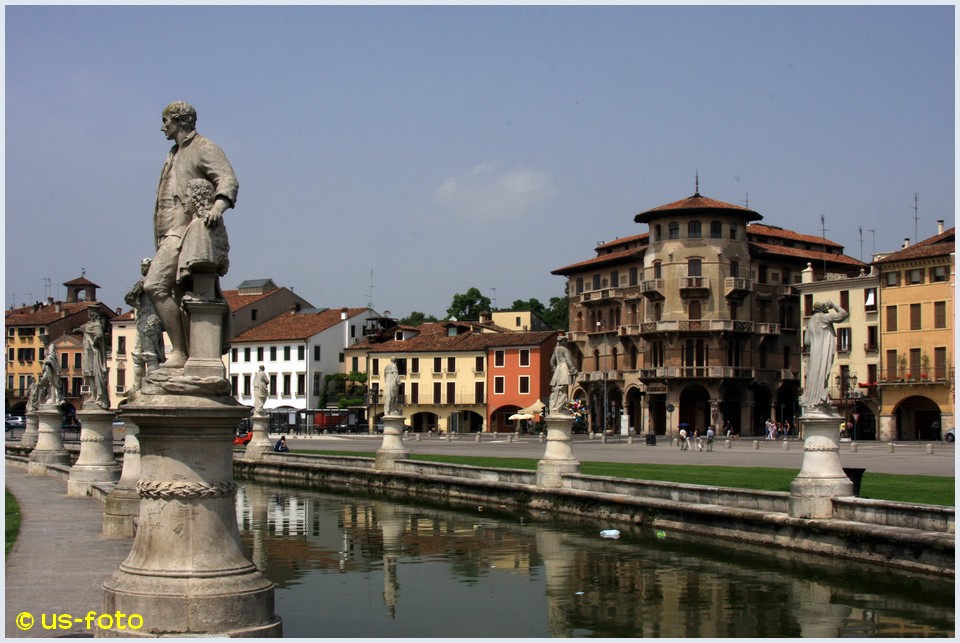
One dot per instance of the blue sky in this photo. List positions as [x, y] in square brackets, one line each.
[442, 148]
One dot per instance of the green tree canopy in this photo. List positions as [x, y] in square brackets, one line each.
[416, 318]
[468, 306]
[556, 315]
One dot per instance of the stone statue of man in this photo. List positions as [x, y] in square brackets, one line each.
[820, 341]
[48, 388]
[564, 375]
[261, 387]
[94, 360]
[391, 388]
[148, 345]
[191, 157]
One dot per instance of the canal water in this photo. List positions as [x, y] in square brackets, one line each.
[353, 566]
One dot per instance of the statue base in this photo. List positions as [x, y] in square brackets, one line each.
[392, 448]
[821, 476]
[32, 431]
[260, 442]
[122, 505]
[96, 462]
[186, 574]
[558, 459]
[49, 448]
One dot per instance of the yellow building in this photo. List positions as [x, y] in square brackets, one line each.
[853, 380]
[916, 375]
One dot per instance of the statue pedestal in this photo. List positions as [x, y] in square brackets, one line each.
[558, 458]
[96, 462]
[49, 448]
[206, 338]
[821, 476]
[392, 448]
[260, 442]
[31, 432]
[186, 574]
[122, 505]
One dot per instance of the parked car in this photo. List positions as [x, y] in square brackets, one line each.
[243, 439]
[950, 435]
[15, 422]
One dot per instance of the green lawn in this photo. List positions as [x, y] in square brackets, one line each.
[930, 490]
[13, 520]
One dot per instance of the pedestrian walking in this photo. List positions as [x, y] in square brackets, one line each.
[684, 443]
[710, 438]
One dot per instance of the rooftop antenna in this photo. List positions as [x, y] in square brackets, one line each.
[696, 183]
[860, 230]
[873, 243]
[494, 289]
[47, 292]
[916, 216]
[370, 299]
[823, 233]
[746, 200]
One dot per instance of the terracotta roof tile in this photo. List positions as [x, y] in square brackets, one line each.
[433, 342]
[236, 301]
[294, 326]
[809, 255]
[759, 229]
[697, 203]
[936, 246]
[603, 260]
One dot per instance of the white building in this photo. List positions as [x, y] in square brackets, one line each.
[298, 350]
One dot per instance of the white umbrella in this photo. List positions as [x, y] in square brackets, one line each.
[520, 416]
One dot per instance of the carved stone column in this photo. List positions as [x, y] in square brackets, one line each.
[31, 432]
[96, 462]
[821, 477]
[558, 458]
[392, 448]
[49, 448]
[260, 442]
[122, 505]
[186, 573]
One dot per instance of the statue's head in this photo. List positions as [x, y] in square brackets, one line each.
[820, 307]
[183, 113]
[145, 265]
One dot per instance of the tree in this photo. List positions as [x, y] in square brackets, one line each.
[556, 316]
[469, 305]
[417, 318]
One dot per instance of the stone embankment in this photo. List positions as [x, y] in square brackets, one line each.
[907, 536]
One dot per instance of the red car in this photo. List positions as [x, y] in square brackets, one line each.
[243, 438]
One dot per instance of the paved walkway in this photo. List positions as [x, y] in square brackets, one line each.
[910, 458]
[60, 559]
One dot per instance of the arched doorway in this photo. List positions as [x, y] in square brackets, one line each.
[695, 408]
[464, 422]
[731, 409]
[634, 410]
[762, 400]
[424, 422]
[918, 418]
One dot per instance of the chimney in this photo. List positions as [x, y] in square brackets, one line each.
[484, 317]
[939, 226]
[343, 313]
[906, 243]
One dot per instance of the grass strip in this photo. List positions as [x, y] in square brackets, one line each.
[928, 490]
[12, 520]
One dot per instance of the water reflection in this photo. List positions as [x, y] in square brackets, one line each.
[365, 567]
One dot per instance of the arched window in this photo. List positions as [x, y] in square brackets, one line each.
[596, 360]
[693, 230]
[657, 270]
[674, 230]
[580, 320]
[634, 277]
[657, 311]
[657, 233]
[633, 358]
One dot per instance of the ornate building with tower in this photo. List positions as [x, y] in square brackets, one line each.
[696, 321]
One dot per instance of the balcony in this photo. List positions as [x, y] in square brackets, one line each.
[697, 326]
[653, 289]
[919, 377]
[602, 296]
[737, 287]
[787, 374]
[786, 290]
[694, 286]
[697, 372]
[767, 329]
